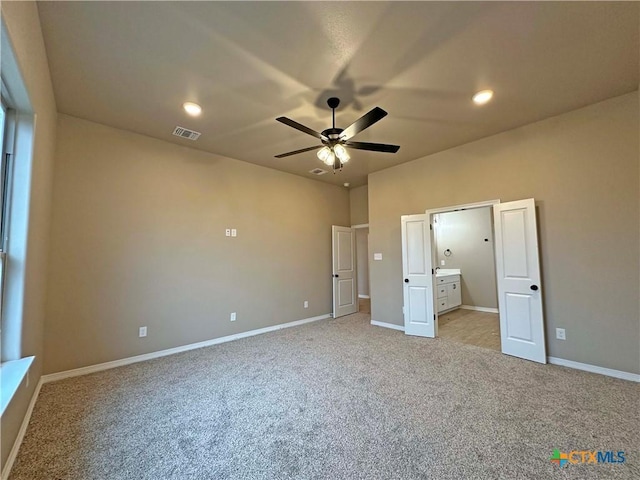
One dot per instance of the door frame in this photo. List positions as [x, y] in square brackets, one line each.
[465, 206]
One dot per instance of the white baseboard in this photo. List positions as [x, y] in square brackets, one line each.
[479, 309]
[52, 377]
[393, 326]
[363, 296]
[633, 377]
[23, 429]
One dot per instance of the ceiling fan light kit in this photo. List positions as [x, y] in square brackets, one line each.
[333, 151]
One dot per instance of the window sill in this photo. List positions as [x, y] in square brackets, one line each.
[11, 375]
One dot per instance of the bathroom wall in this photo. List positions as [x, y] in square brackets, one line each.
[468, 234]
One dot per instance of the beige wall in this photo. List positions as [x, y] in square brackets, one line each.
[359, 204]
[23, 24]
[138, 239]
[464, 233]
[362, 260]
[582, 169]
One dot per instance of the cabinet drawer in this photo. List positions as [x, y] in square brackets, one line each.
[442, 291]
[442, 304]
[447, 279]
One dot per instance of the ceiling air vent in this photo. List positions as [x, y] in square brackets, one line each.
[318, 171]
[186, 133]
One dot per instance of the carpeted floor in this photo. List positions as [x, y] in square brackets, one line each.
[335, 399]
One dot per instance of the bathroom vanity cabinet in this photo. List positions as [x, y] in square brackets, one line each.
[448, 288]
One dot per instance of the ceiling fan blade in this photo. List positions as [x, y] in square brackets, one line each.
[295, 152]
[374, 147]
[302, 128]
[363, 122]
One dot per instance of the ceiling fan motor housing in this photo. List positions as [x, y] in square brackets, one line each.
[333, 134]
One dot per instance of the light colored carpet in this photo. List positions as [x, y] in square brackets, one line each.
[336, 399]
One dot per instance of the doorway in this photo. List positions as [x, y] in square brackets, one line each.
[466, 303]
[350, 258]
[517, 277]
[362, 268]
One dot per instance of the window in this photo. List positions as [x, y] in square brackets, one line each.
[17, 123]
[6, 136]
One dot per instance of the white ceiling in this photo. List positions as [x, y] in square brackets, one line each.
[131, 65]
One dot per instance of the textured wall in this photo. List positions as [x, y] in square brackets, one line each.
[582, 169]
[359, 202]
[138, 238]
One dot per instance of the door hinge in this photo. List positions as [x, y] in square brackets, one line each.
[434, 317]
[430, 226]
[432, 272]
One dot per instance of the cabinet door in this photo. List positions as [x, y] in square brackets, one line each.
[453, 295]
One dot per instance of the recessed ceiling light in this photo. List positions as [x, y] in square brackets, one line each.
[482, 97]
[192, 109]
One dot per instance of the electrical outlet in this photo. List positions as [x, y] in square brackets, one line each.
[233, 317]
[561, 334]
[234, 232]
[227, 232]
[142, 332]
[306, 304]
[442, 262]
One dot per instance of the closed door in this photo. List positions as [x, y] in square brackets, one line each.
[518, 274]
[344, 281]
[419, 318]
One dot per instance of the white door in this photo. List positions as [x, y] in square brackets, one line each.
[518, 274]
[417, 276]
[344, 281]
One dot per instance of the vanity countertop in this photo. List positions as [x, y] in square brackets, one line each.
[446, 272]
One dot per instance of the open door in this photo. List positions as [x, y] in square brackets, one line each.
[345, 298]
[518, 275]
[417, 276]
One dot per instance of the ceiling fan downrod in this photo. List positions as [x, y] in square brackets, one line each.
[333, 103]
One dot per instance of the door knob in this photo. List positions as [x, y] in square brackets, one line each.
[335, 275]
[534, 287]
[406, 280]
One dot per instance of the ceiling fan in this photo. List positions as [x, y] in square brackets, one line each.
[334, 140]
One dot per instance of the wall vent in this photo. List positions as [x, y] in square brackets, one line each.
[318, 171]
[186, 133]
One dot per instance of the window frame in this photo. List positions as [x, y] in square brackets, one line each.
[7, 138]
